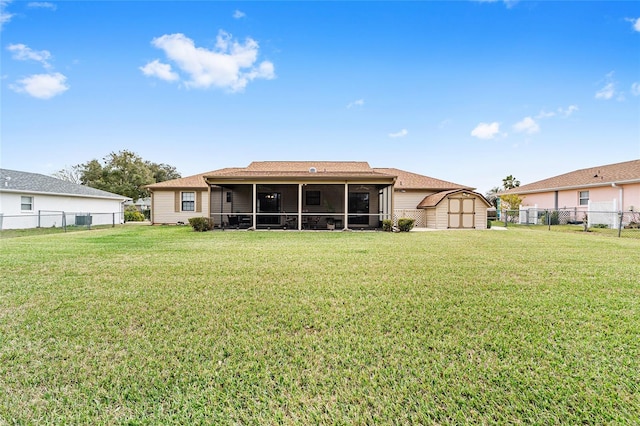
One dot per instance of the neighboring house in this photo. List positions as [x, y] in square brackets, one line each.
[307, 195]
[612, 187]
[30, 200]
[141, 204]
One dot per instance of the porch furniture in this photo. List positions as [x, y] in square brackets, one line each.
[234, 222]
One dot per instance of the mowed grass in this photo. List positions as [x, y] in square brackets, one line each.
[161, 325]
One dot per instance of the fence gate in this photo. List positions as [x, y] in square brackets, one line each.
[462, 213]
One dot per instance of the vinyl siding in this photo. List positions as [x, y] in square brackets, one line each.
[166, 207]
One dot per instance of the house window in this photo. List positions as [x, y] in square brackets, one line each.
[229, 196]
[312, 198]
[26, 203]
[584, 198]
[188, 201]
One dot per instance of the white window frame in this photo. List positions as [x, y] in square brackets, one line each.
[583, 198]
[23, 204]
[183, 200]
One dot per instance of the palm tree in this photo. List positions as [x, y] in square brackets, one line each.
[510, 182]
[492, 196]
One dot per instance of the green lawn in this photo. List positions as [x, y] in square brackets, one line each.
[161, 325]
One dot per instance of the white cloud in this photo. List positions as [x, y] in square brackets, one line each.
[445, 123]
[159, 70]
[356, 103]
[527, 125]
[42, 86]
[401, 134]
[635, 22]
[567, 112]
[42, 5]
[508, 3]
[608, 91]
[562, 112]
[486, 130]
[23, 52]
[635, 89]
[546, 114]
[238, 14]
[5, 17]
[231, 65]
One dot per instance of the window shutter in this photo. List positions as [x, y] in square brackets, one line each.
[177, 201]
[199, 201]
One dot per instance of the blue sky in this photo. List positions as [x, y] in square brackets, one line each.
[465, 91]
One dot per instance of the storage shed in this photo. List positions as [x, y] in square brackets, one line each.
[456, 209]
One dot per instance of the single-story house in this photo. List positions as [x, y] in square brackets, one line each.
[32, 200]
[311, 195]
[612, 187]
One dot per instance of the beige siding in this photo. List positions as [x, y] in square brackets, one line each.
[442, 215]
[409, 199]
[165, 204]
[481, 215]
[431, 218]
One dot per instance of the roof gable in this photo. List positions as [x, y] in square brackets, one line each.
[626, 172]
[17, 181]
[195, 181]
[435, 199]
[408, 180]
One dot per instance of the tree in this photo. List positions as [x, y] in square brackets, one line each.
[492, 195]
[69, 174]
[163, 172]
[510, 182]
[511, 201]
[124, 173]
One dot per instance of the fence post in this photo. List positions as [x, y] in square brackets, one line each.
[548, 216]
[64, 221]
[621, 214]
[89, 220]
[1, 216]
[113, 220]
[39, 218]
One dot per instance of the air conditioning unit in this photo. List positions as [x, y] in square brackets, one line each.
[83, 220]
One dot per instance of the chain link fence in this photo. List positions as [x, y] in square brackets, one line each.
[618, 224]
[58, 221]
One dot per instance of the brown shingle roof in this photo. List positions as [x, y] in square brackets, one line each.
[408, 180]
[195, 181]
[628, 171]
[304, 166]
[433, 199]
[324, 169]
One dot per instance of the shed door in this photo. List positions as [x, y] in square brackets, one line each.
[462, 212]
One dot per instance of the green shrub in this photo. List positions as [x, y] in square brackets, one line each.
[387, 225]
[405, 224]
[147, 214]
[488, 223]
[550, 218]
[133, 215]
[201, 224]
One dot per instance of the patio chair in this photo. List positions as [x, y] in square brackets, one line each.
[233, 221]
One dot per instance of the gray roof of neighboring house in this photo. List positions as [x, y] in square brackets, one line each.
[15, 181]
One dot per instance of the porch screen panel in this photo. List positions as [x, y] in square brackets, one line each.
[359, 203]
